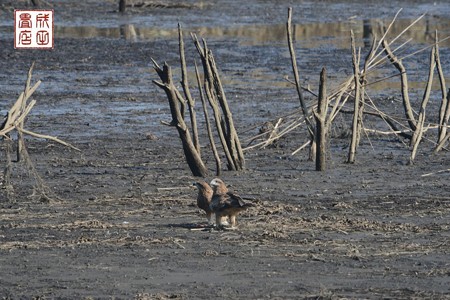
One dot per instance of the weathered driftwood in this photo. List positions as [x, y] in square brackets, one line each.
[20, 140]
[355, 87]
[193, 158]
[288, 126]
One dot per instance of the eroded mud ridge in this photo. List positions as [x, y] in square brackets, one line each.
[126, 223]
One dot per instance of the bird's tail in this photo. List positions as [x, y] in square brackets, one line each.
[247, 205]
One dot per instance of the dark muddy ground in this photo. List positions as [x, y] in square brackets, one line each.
[122, 226]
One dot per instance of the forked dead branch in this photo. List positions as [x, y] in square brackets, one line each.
[211, 89]
[15, 122]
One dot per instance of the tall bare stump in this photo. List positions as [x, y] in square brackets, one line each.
[322, 125]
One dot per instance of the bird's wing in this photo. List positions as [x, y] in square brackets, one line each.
[216, 202]
[235, 200]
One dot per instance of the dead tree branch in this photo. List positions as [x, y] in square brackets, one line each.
[208, 125]
[444, 111]
[298, 86]
[186, 90]
[192, 156]
[216, 97]
[211, 89]
[404, 82]
[417, 136]
[357, 114]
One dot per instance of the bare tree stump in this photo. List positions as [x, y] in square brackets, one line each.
[321, 124]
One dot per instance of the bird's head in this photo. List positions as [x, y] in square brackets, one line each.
[216, 182]
[218, 186]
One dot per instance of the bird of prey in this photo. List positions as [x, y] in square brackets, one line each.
[205, 193]
[225, 203]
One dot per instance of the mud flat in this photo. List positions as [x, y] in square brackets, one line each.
[123, 225]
